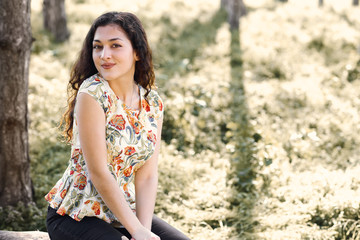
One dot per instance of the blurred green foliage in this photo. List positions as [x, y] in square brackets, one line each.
[22, 217]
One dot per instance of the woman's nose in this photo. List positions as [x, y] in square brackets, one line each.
[106, 53]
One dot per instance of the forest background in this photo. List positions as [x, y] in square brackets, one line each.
[261, 131]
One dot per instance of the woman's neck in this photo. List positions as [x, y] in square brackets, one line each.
[126, 91]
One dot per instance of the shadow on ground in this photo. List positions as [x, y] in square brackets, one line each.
[178, 48]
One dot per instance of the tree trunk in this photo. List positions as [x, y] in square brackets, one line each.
[321, 3]
[55, 19]
[15, 44]
[235, 9]
[355, 3]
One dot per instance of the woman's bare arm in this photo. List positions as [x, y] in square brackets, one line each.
[146, 180]
[91, 122]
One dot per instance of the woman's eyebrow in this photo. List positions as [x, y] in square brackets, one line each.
[114, 39]
[110, 40]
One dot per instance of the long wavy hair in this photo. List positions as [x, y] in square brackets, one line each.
[84, 66]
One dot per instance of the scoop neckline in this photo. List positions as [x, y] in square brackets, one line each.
[140, 92]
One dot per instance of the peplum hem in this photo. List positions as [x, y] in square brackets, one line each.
[72, 197]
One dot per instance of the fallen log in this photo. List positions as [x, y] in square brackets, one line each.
[28, 235]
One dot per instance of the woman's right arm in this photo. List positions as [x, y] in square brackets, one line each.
[91, 122]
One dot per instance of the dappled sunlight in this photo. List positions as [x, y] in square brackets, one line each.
[308, 121]
[198, 190]
[261, 130]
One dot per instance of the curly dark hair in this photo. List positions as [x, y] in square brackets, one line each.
[84, 66]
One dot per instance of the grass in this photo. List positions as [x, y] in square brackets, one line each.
[313, 152]
[261, 127]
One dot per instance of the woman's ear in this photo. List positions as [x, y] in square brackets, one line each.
[136, 57]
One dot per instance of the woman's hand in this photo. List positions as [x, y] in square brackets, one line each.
[144, 234]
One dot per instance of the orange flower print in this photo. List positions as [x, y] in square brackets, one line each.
[109, 99]
[117, 160]
[118, 168]
[160, 105]
[116, 163]
[78, 167]
[151, 136]
[145, 105]
[129, 150]
[61, 211]
[136, 125]
[127, 171]
[125, 187]
[118, 122]
[63, 193]
[87, 202]
[96, 208]
[51, 194]
[126, 190]
[80, 181]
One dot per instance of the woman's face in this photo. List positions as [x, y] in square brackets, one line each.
[113, 54]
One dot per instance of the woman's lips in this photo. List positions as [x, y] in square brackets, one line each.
[107, 65]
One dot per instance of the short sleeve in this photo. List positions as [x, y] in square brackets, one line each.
[95, 88]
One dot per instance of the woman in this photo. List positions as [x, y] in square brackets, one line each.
[114, 122]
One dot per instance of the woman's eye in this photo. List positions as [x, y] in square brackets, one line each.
[115, 45]
[97, 47]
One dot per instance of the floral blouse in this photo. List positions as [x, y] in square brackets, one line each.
[130, 137]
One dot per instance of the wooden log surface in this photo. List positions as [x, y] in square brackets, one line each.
[29, 235]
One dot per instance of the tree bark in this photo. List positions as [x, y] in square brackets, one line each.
[355, 3]
[235, 9]
[55, 19]
[15, 44]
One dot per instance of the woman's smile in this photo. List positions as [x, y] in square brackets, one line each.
[107, 65]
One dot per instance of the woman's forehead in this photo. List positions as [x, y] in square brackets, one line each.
[110, 31]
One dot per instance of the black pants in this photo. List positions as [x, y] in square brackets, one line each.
[92, 228]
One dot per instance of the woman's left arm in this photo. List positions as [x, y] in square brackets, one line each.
[146, 181]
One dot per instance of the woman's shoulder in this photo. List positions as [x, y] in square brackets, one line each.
[154, 103]
[95, 87]
[92, 83]
[153, 96]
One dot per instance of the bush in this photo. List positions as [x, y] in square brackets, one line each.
[22, 217]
